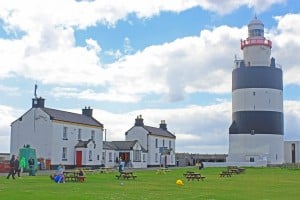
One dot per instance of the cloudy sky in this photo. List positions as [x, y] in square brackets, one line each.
[164, 59]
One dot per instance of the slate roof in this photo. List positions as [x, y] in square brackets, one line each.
[83, 144]
[159, 132]
[71, 117]
[120, 145]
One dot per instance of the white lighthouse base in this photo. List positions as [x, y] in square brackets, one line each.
[255, 148]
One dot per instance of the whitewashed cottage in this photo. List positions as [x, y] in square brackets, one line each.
[158, 142]
[131, 152]
[59, 137]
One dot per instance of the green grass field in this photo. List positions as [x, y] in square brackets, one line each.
[255, 183]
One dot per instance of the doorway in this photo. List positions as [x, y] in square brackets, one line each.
[78, 158]
[293, 153]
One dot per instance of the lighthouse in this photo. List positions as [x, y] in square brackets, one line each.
[256, 132]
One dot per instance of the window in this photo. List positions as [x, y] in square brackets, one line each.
[90, 155]
[93, 135]
[170, 144]
[65, 131]
[156, 157]
[110, 156]
[256, 32]
[156, 143]
[163, 143]
[64, 153]
[79, 134]
[137, 155]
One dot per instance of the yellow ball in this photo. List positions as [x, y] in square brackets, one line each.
[179, 182]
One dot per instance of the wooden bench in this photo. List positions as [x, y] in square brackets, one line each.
[73, 176]
[235, 169]
[126, 175]
[106, 169]
[81, 178]
[162, 170]
[225, 173]
[70, 178]
[194, 176]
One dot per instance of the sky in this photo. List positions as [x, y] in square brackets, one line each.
[163, 59]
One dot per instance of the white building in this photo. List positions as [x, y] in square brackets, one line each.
[292, 151]
[59, 137]
[158, 142]
[131, 152]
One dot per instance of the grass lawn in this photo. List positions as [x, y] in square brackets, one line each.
[255, 183]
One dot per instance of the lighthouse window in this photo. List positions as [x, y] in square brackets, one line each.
[256, 32]
[253, 93]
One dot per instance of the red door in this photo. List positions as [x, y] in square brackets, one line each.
[78, 158]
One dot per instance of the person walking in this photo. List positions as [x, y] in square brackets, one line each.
[12, 167]
[17, 166]
[31, 166]
[22, 164]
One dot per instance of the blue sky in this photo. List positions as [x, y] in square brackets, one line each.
[166, 60]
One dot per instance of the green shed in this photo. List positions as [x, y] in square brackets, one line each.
[26, 153]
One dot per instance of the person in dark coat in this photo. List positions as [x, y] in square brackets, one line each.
[12, 167]
[17, 166]
[31, 166]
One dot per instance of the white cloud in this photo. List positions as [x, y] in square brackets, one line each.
[47, 52]
[286, 45]
[292, 120]
[195, 127]
[8, 115]
[32, 13]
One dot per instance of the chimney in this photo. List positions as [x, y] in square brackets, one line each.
[163, 125]
[87, 111]
[139, 121]
[38, 102]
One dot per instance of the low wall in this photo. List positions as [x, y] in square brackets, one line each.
[239, 164]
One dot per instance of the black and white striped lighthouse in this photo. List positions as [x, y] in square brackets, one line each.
[256, 132]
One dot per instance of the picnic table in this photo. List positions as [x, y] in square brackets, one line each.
[162, 170]
[190, 175]
[231, 170]
[106, 169]
[225, 174]
[73, 176]
[126, 175]
[235, 169]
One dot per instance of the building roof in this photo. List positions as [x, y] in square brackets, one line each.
[159, 132]
[83, 144]
[71, 117]
[120, 145]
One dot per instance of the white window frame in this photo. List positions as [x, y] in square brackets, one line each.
[64, 153]
[79, 134]
[65, 133]
[137, 155]
[90, 155]
[110, 157]
[93, 134]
